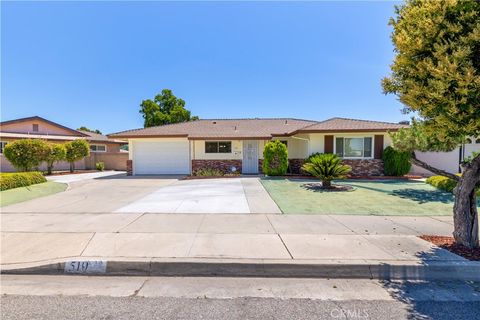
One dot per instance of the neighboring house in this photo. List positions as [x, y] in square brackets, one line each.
[102, 148]
[237, 144]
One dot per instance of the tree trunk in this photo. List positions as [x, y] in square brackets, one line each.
[465, 215]
[49, 169]
[72, 167]
[428, 167]
[326, 184]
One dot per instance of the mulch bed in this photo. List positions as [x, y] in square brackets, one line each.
[449, 244]
[333, 188]
[62, 173]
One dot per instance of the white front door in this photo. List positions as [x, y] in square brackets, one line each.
[250, 157]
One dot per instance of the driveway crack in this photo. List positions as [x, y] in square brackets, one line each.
[286, 248]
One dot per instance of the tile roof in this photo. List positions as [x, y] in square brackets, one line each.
[345, 124]
[255, 128]
[221, 128]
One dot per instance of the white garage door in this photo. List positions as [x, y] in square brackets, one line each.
[161, 157]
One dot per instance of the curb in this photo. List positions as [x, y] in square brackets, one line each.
[438, 270]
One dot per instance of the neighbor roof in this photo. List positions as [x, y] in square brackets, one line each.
[74, 132]
[221, 128]
[255, 128]
[93, 136]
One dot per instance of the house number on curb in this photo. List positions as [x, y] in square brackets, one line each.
[85, 266]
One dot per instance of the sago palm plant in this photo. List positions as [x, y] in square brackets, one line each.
[327, 167]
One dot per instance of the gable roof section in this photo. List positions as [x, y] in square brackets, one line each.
[351, 125]
[75, 133]
[221, 128]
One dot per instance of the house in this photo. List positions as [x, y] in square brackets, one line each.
[103, 149]
[237, 144]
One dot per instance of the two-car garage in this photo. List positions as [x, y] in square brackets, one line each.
[160, 156]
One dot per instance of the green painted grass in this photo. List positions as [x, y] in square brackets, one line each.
[370, 197]
[21, 194]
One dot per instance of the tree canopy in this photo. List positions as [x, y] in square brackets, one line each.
[436, 70]
[165, 108]
[83, 128]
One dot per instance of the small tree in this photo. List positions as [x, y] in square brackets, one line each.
[55, 152]
[436, 75]
[76, 150]
[326, 167]
[27, 154]
[275, 158]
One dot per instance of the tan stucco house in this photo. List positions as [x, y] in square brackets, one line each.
[237, 144]
[102, 148]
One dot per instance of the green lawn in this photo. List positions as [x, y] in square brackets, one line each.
[21, 194]
[370, 197]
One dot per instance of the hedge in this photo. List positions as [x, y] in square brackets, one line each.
[20, 179]
[444, 183]
[396, 163]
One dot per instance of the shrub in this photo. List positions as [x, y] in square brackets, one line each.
[327, 167]
[26, 154]
[209, 172]
[444, 183]
[275, 158]
[76, 150]
[55, 152]
[309, 159]
[100, 166]
[396, 163]
[20, 179]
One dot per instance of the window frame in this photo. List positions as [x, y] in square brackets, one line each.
[96, 145]
[355, 137]
[3, 144]
[218, 146]
[35, 126]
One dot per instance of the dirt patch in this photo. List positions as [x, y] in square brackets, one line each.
[449, 244]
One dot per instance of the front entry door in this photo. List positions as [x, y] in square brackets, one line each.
[250, 157]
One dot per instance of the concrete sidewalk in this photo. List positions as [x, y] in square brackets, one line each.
[176, 244]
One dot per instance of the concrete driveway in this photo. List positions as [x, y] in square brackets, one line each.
[239, 195]
[98, 195]
[154, 194]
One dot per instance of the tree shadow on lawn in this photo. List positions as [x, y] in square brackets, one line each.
[423, 196]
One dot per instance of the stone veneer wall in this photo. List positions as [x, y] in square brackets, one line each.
[129, 167]
[365, 167]
[223, 165]
[295, 165]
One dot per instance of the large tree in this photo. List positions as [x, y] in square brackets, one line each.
[165, 108]
[436, 76]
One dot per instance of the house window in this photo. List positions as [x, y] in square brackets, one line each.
[98, 148]
[218, 146]
[35, 127]
[353, 147]
[2, 145]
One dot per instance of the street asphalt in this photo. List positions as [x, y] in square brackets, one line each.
[80, 297]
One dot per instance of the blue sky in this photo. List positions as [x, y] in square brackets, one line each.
[92, 63]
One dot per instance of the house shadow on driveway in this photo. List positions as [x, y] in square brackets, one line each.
[430, 293]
